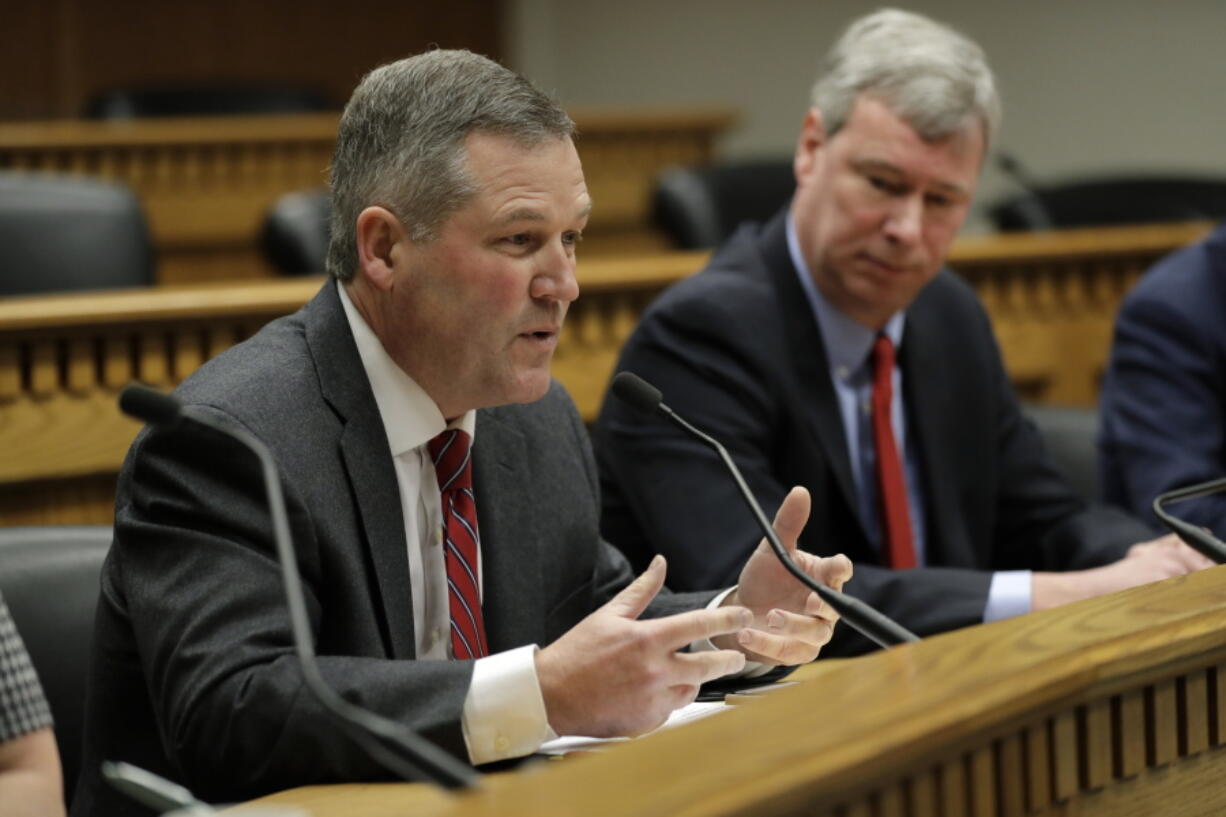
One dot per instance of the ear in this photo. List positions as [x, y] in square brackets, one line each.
[378, 238]
[812, 139]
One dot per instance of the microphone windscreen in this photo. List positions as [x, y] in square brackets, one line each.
[150, 405]
[636, 391]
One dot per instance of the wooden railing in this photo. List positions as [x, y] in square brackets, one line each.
[207, 183]
[1113, 707]
[64, 358]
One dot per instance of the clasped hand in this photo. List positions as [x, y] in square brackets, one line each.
[612, 674]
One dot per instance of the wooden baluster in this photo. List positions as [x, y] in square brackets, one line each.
[1095, 733]
[10, 370]
[1194, 714]
[1038, 767]
[44, 369]
[1130, 734]
[954, 789]
[1162, 717]
[983, 782]
[1064, 754]
[117, 368]
[82, 366]
[1011, 780]
[155, 367]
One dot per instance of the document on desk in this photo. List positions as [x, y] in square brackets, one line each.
[686, 714]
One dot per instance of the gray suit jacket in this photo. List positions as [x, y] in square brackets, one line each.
[193, 670]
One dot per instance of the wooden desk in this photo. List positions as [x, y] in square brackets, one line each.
[63, 359]
[1115, 706]
[207, 183]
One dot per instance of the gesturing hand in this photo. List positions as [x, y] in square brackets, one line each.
[613, 675]
[790, 622]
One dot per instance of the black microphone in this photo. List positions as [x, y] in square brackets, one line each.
[1030, 204]
[1197, 538]
[871, 623]
[396, 747]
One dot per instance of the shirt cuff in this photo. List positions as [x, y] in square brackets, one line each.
[504, 712]
[1008, 595]
[752, 668]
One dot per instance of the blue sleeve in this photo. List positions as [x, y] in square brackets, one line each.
[1162, 403]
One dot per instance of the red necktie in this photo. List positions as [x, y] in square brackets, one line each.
[892, 487]
[453, 466]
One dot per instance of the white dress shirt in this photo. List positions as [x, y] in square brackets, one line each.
[847, 354]
[504, 711]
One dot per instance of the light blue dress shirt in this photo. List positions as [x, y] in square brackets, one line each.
[849, 348]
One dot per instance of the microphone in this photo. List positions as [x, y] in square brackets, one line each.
[1197, 538]
[640, 394]
[1030, 204]
[396, 747]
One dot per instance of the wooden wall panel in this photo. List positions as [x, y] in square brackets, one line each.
[56, 54]
[63, 360]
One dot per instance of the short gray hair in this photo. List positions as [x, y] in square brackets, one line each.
[400, 143]
[926, 72]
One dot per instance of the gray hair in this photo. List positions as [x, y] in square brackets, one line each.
[926, 72]
[401, 139]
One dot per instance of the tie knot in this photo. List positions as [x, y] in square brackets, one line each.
[452, 463]
[883, 367]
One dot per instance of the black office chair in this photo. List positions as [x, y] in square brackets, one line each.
[1112, 201]
[295, 233]
[699, 207]
[49, 577]
[62, 233]
[204, 100]
[1070, 437]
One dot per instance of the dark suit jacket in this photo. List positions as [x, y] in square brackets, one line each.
[193, 672]
[736, 350]
[1163, 405]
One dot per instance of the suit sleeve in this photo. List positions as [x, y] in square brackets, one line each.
[202, 590]
[1163, 410]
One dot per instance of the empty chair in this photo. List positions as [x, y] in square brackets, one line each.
[62, 233]
[204, 100]
[698, 207]
[295, 233]
[1111, 201]
[49, 577]
[1070, 437]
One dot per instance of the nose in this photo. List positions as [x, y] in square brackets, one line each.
[555, 280]
[903, 223]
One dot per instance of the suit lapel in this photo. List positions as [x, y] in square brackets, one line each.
[808, 353]
[930, 385]
[506, 506]
[368, 462]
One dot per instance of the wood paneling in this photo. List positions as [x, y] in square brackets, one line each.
[64, 358]
[206, 183]
[924, 728]
[67, 51]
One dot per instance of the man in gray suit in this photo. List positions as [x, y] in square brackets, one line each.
[458, 203]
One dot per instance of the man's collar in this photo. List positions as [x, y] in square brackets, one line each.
[410, 417]
[847, 341]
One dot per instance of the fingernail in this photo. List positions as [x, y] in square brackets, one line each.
[774, 620]
[744, 637]
[746, 618]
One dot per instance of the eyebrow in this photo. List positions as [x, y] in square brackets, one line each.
[877, 164]
[530, 214]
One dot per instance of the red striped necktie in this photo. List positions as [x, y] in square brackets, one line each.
[451, 452]
[891, 483]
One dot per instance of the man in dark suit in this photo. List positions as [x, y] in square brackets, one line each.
[923, 471]
[1163, 405]
[441, 493]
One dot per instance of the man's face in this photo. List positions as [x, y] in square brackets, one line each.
[474, 315]
[877, 207]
